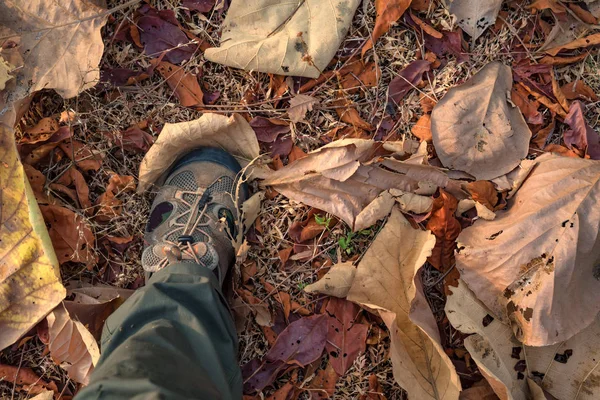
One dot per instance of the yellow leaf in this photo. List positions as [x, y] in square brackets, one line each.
[29, 277]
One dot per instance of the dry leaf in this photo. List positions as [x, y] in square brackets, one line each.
[564, 370]
[184, 85]
[322, 386]
[475, 16]
[232, 134]
[71, 345]
[300, 105]
[71, 235]
[485, 136]
[422, 129]
[580, 134]
[338, 178]
[483, 192]
[293, 38]
[540, 256]
[345, 336]
[336, 282]
[385, 280]
[27, 380]
[446, 229]
[388, 12]
[591, 40]
[579, 90]
[412, 203]
[408, 78]
[5, 70]
[73, 32]
[374, 211]
[62, 45]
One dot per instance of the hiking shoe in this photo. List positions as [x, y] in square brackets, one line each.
[193, 217]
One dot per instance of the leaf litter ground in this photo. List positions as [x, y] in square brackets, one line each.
[269, 270]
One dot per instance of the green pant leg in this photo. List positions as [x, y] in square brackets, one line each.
[172, 339]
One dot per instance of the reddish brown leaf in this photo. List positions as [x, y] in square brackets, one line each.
[578, 90]
[81, 154]
[283, 393]
[322, 386]
[581, 134]
[591, 40]
[41, 131]
[202, 6]
[284, 255]
[72, 177]
[132, 139]
[346, 338]
[559, 61]
[358, 75]
[349, 114]
[542, 135]
[159, 32]
[446, 229]
[422, 129]
[92, 305]
[540, 5]
[388, 12]
[426, 27]
[407, 79]
[285, 300]
[109, 206]
[449, 45]
[268, 129]
[311, 230]
[375, 391]
[249, 269]
[582, 14]
[420, 5]
[37, 180]
[25, 379]
[528, 107]
[483, 192]
[296, 154]
[71, 236]
[560, 150]
[184, 84]
[302, 342]
[122, 76]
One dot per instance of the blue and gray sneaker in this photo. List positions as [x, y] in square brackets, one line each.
[193, 217]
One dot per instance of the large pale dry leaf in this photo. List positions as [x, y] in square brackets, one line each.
[336, 282]
[61, 45]
[232, 134]
[296, 38]
[374, 211]
[540, 257]
[566, 370]
[5, 70]
[491, 344]
[71, 345]
[477, 129]
[385, 280]
[341, 179]
[475, 16]
[412, 203]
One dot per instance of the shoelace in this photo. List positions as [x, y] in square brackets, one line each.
[184, 246]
